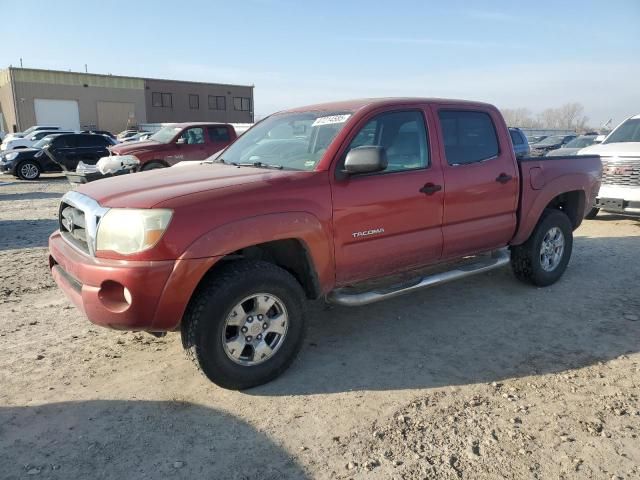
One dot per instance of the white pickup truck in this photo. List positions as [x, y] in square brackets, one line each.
[620, 155]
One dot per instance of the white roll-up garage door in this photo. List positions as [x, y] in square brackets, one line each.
[61, 113]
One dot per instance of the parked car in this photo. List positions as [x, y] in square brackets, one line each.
[535, 139]
[100, 132]
[227, 251]
[574, 146]
[137, 137]
[550, 143]
[55, 153]
[29, 163]
[31, 130]
[620, 153]
[178, 142]
[519, 141]
[69, 150]
[26, 142]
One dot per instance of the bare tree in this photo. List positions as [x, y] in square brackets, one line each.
[569, 116]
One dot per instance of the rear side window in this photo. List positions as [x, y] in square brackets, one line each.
[516, 138]
[469, 137]
[65, 141]
[88, 141]
[218, 134]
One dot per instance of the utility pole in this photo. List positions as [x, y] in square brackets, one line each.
[85, 68]
[20, 62]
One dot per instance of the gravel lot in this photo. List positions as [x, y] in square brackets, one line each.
[484, 378]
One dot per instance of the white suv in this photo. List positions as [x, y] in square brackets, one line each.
[620, 155]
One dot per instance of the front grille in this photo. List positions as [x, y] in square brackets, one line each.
[78, 218]
[622, 171]
[73, 226]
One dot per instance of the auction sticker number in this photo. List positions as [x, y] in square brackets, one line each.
[330, 120]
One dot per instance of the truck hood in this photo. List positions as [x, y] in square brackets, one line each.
[147, 189]
[131, 148]
[623, 149]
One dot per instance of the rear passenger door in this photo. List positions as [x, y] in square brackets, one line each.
[481, 181]
[218, 138]
[91, 148]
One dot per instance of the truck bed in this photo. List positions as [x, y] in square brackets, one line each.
[544, 178]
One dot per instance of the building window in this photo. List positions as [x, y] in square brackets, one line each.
[194, 101]
[217, 102]
[159, 99]
[242, 104]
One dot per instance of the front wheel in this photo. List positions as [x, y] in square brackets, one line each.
[245, 325]
[28, 170]
[544, 257]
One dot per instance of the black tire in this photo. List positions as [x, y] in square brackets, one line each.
[28, 170]
[153, 165]
[593, 213]
[526, 260]
[204, 322]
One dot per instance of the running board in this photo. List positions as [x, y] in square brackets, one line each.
[341, 296]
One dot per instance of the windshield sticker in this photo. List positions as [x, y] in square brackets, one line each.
[330, 120]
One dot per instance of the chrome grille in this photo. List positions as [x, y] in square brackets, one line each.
[622, 171]
[78, 220]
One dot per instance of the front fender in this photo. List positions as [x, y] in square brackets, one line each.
[247, 232]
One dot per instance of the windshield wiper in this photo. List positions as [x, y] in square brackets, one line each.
[258, 165]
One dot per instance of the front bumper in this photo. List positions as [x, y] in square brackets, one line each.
[616, 199]
[6, 167]
[157, 291]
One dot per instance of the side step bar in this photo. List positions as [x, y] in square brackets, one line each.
[341, 296]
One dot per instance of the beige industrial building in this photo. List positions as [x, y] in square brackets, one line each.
[77, 100]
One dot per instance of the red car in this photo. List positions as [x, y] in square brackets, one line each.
[354, 202]
[177, 142]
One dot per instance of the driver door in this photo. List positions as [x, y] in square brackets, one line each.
[190, 145]
[388, 222]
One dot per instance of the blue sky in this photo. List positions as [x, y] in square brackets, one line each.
[533, 54]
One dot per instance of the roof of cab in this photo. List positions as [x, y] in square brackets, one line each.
[357, 104]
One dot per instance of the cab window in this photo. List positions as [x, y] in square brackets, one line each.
[193, 136]
[403, 136]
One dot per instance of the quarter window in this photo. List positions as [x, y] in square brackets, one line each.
[194, 101]
[468, 136]
[402, 134]
[217, 102]
[242, 104]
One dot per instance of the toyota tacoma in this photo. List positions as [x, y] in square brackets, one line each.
[354, 202]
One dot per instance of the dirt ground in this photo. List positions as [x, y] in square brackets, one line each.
[484, 378]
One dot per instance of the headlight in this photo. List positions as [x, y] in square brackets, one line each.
[125, 230]
[11, 156]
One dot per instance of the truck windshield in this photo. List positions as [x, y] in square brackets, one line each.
[165, 134]
[292, 141]
[628, 131]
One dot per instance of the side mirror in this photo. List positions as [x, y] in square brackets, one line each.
[181, 141]
[366, 159]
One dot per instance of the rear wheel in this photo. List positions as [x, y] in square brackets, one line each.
[544, 257]
[245, 325]
[593, 213]
[28, 170]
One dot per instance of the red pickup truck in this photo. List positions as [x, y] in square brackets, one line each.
[353, 201]
[177, 142]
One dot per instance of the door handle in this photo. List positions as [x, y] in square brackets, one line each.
[503, 178]
[430, 188]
